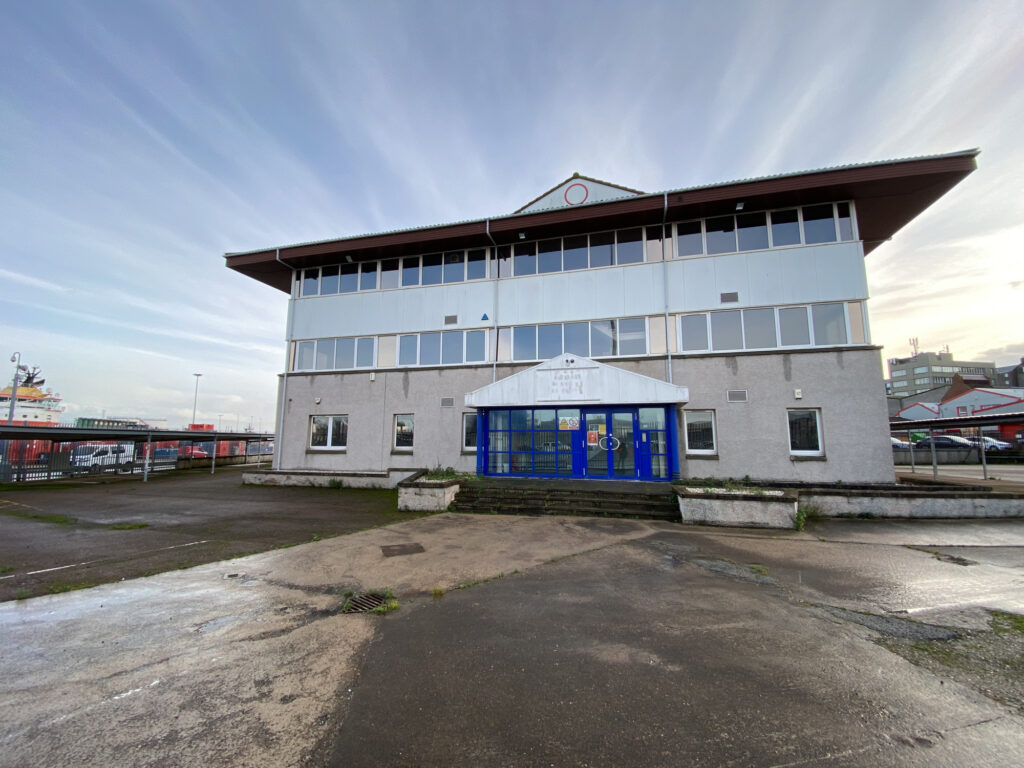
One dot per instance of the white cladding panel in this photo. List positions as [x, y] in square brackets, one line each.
[832, 272]
[577, 191]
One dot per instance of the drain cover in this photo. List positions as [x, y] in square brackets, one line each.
[393, 550]
[363, 602]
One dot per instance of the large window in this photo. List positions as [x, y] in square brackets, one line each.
[403, 431]
[764, 328]
[532, 441]
[700, 432]
[805, 432]
[328, 432]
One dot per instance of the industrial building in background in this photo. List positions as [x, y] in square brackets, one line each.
[909, 376]
[601, 332]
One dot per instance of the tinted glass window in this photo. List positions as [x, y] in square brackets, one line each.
[549, 256]
[346, 354]
[525, 258]
[368, 276]
[601, 249]
[629, 248]
[700, 431]
[575, 253]
[430, 348]
[430, 274]
[695, 332]
[829, 324]
[451, 347]
[310, 282]
[759, 328]
[721, 234]
[726, 331]
[524, 342]
[819, 225]
[349, 278]
[476, 346]
[339, 431]
[411, 271]
[577, 338]
[845, 224]
[632, 336]
[476, 267]
[785, 228]
[752, 231]
[454, 267]
[389, 274]
[404, 431]
[324, 354]
[602, 338]
[689, 241]
[803, 431]
[654, 244]
[364, 353]
[549, 341]
[407, 350]
[469, 430]
[328, 281]
[504, 261]
[651, 418]
[318, 435]
[793, 326]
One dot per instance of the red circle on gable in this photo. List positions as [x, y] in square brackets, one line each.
[586, 194]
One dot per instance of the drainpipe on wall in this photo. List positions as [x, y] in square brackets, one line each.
[279, 438]
[664, 282]
[494, 319]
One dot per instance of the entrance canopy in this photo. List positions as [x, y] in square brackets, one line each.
[573, 380]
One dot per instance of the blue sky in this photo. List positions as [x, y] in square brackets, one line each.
[139, 141]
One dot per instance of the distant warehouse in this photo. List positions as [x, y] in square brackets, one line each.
[602, 332]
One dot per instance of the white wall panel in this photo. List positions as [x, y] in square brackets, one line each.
[698, 289]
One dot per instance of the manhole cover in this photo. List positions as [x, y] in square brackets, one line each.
[363, 602]
[393, 550]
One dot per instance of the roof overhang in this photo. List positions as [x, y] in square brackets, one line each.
[887, 195]
[570, 380]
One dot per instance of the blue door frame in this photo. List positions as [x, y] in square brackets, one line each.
[626, 442]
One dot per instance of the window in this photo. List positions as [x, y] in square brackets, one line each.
[305, 355]
[577, 339]
[310, 282]
[726, 331]
[759, 328]
[898, 384]
[346, 357]
[829, 324]
[407, 349]
[921, 369]
[368, 276]
[700, 432]
[819, 224]
[793, 326]
[524, 342]
[388, 274]
[785, 228]
[403, 431]
[961, 410]
[924, 380]
[689, 241]
[411, 271]
[602, 338]
[432, 270]
[324, 354]
[601, 249]
[451, 347]
[901, 372]
[550, 256]
[525, 257]
[476, 346]
[504, 261]
[629, 249]
[328, 281]
[476, 265]
[469, 431]
[845, 222]
[549, 341]
[721, 234]
[364, 352]
[430, 349]
[349, 278]
[805, 432]
[655, 245]
[575, 255]
[328, 432]
[694, 332]
[752, 231]
[632, 336]
[455, 267]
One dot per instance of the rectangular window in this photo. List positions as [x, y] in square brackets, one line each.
[549, 341]
[403, 431]
[785, 228]
[829, 324]
[759, 328]
[305, 356]
[805, 432]
[694, 330]
[654, 244]
[726, 330]
[388, 274]
[961, 410]
[549, 257]
[524, 342]
[451, 347]
[431, 272]
[899, 373]
[455, 267]
[504, 261]
[364, 352]
[925, 380]
[476, 346]
[602, 338]
[752, 231]
[575, 255]
[819, 224]
[310, 282]
[689, 240]
[411, 271]
[407, 348]
[469, 431]
[921, 369]
[577, 338]
[368, 276]
[324, 354]
[601, 249]
[328, 281]
[346, 354]
[793, 327]
[721, 234]
[845, 222]
[629, 247]
[898, 384]
[525, 256]
[504, 345]
[349, 278]
[632, 336]
[328, 432]
[430, 348]
[476, 264]
[700, 432]
[385, 351]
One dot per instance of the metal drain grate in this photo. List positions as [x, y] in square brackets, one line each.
[363, 602]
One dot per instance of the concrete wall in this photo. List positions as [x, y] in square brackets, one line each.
[709, 506]
[910, 505]
[752, 436]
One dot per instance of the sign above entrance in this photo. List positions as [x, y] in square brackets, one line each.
[569, 423]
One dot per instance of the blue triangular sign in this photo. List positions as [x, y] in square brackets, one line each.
[484, 317]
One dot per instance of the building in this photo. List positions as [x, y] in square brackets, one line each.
[963, 399]
[909, 376]
[1010, 375]
[715, 331]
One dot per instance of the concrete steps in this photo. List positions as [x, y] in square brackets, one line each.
[551, 498]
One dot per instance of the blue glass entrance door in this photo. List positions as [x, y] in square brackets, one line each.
[610, 443]
[653, 444]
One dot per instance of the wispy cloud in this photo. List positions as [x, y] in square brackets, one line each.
[32, 282]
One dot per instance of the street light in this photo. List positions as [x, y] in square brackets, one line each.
[18, 368]
[195, 400]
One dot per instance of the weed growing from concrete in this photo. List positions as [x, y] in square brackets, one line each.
[6, 568]
[759, 569]
[127, 526]
[437, 593]
[22, 594]
[39, 517]
[56, 589]
[1004, 623]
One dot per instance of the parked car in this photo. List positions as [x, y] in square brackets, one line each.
[991, 443]
[192, 452]
[898, 444]
[944, 441]
[99, 457]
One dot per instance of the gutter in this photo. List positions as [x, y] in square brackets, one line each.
[494, 320]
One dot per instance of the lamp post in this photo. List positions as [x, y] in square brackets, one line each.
[18, 368]
[195, 400]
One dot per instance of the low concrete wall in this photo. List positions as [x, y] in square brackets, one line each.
[427, 495]
[771, 508]
[910, 504]
[388, 479]
[923, 456]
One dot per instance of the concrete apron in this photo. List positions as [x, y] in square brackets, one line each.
[238, 662]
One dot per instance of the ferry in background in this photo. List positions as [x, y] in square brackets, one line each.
[32, 406]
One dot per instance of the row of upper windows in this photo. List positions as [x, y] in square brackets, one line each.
[937, 369]
[809, 225]
[814, 325]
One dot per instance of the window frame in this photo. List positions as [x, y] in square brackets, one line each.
[327, 447]
[713, 451]
[820, 432]
[476, 428]
[394, 433]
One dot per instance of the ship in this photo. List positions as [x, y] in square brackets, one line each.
[33, 407]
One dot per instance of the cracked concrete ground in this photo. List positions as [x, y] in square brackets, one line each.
[572, 642]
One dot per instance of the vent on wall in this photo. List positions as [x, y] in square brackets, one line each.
[451, 319]
[728, 298]
[447, 402]
[736, 395]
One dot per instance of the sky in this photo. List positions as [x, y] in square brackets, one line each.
[140, 141]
